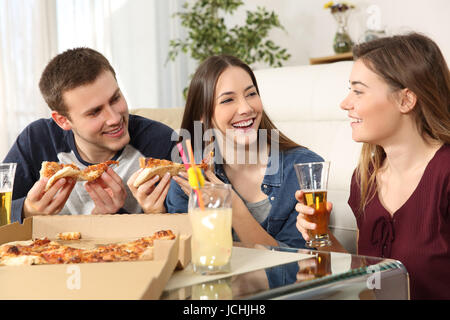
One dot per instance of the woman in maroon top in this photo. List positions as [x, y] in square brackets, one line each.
[399, 105]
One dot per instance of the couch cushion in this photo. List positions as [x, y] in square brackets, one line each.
[305, 92]
[169, 116]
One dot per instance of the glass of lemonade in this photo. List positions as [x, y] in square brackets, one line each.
[211, 229]
[313, 181]
[7, 173]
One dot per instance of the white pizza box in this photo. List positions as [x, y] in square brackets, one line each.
[107, 280]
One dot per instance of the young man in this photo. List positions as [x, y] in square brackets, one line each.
[90, 124]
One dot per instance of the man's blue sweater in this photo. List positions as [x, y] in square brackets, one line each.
[44, 140]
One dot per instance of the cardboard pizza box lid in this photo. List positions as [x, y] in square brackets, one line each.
[117, 280]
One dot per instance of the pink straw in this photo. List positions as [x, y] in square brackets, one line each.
[183, 156]
[187, 165]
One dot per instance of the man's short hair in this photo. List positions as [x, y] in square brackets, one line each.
[69, 70]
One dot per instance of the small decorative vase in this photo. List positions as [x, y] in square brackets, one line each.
[342, 42]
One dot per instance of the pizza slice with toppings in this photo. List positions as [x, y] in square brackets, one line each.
[70, 235]
[94, 172]
[45, 251]
[55, 171]
[159, 167]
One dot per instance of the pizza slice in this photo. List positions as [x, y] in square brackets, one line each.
[164, 235]
[69, 235]
[23, 260]
[153, 167]
[45, 251]
[25, 253]
[142, 249]
[55, 171]
[94, 172]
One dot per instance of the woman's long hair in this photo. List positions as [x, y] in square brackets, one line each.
[200, 100]
[410, 61]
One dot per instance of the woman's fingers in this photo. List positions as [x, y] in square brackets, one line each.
[184, 184]
[160, 202]
[299, 195]
[301, 208]
[212, 177]
[158, 191]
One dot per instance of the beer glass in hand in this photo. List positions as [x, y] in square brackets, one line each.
[7, 172]
[313, 180]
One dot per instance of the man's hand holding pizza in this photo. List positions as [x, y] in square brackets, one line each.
[50, 202]
[57, 180]
[108, 192]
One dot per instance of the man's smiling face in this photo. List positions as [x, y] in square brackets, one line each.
[98, 116]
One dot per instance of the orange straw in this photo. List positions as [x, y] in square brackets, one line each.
[197, 191]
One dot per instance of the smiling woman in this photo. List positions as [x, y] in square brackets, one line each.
[210, 92]
[238, 108]
[371, 107]
[224, 97]
[400, 191]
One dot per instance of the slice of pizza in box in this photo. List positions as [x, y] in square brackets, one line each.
[93, 257]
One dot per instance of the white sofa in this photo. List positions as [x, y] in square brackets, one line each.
[303, 102]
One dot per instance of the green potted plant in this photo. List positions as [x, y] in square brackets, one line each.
[209, 35]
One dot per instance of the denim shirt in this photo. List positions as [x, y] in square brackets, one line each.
[279, 186]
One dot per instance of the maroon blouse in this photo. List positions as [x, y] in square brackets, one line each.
[418, 234]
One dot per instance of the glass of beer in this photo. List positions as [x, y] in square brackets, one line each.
[211, 240]
[7, 173]
[313, 180]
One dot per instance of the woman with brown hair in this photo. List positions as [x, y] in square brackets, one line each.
[223, 104]
[399, 107]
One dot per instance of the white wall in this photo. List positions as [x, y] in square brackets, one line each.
[310, 28]
[134, 35]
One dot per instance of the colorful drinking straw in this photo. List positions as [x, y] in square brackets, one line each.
[196, 179]
[183, 156]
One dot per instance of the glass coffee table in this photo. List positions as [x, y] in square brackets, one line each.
[263, 273]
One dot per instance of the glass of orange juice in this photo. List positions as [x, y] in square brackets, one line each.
[211, 240]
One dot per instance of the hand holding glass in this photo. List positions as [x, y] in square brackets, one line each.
[313, 180]
[7, 173]
[211, 229]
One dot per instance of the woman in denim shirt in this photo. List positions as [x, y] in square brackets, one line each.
[223, 105]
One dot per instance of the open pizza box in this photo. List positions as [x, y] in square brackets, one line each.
[106, 280]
